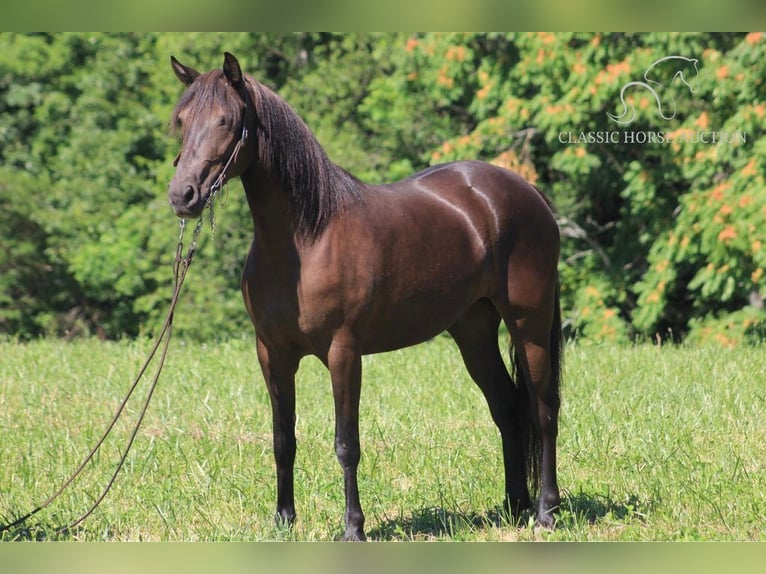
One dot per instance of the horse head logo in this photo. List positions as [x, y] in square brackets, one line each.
[681, 68]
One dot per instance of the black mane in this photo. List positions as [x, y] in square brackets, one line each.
[317, 187]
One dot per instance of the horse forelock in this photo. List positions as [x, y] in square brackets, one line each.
[208, 92]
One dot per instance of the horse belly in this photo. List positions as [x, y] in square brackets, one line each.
[404, 314]
[400, 330]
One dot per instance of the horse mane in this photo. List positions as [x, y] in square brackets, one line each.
[317, 188]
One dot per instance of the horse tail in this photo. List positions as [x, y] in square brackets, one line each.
[527, 403]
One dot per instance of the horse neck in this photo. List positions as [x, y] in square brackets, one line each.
[274, 226]
[289, 202]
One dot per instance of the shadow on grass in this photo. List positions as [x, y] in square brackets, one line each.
[590, 508]
[434, 523]
[439, 523]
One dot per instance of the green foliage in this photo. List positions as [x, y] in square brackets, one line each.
[86, 136]
[662, 232]
[624, 193]
[712, 252]
[744, 327]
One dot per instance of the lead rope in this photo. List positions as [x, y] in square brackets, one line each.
[181, 266]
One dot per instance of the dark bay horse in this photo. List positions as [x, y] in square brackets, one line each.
[339, 269]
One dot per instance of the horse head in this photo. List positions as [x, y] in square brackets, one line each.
[211, 120]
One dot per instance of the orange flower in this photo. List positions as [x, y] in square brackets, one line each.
[412, 43]
[546, 37]
[702, 121]
[456, 53]
[617, 69]
[722, 72]
[724, 340]
[444, 79]
[749, 170]
[753, 37]
[484, 91]
[727, 234]
[718, 190]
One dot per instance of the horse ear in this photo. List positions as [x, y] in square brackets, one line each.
[186, 74]
[231, 70]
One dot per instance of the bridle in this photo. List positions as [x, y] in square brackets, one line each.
[221, 179]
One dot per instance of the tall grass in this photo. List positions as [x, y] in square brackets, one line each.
[655, 444]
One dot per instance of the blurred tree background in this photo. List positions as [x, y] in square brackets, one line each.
[663, 220]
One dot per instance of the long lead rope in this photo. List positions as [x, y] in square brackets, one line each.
[181, 266]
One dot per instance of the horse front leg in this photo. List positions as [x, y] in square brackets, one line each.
[279, 374]
[345, 364]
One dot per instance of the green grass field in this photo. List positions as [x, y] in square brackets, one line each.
[655, 444]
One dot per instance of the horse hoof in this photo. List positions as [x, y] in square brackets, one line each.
[545, 521]
[354, 536]
[284, 519]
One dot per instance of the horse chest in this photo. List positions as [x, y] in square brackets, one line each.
[293, 309]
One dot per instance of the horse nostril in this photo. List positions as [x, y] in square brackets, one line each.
[190, 195]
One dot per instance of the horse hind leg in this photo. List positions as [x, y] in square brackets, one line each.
[476, 335]
[537, 341]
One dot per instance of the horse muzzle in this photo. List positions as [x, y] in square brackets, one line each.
[187, 199]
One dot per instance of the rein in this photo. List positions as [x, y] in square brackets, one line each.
[181, 266]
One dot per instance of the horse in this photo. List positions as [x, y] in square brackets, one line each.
[339, 269]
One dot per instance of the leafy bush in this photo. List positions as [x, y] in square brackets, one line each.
[661, 219]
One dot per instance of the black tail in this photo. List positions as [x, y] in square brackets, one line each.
[531, 439]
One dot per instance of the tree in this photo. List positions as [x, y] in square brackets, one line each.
[661, 213]
[635, 259]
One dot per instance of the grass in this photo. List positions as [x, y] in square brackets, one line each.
[655, 444]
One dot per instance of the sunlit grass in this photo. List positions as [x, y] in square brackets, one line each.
[655, 444]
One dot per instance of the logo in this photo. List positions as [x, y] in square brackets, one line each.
[681, 69]
[664, 79]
